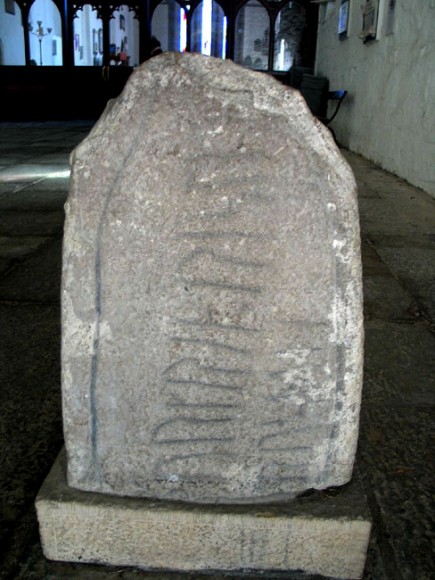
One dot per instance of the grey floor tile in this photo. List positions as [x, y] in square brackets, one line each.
[8, 187]
[55, 158]
[31, 425]
[34, 200]
[55, 181]
[385, 298]
[28, 223]
[415, 268]
[425, 240]
[367, 192]
[371, 261]
[399, 363]
[380, 218]
[18, 247]
[5, 264]
[37, 278]
[396, 451]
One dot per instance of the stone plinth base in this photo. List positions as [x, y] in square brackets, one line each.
[323, 533]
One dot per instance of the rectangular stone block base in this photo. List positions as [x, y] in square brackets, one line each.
[324, 533]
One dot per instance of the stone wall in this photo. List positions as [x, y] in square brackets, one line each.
[388, 115]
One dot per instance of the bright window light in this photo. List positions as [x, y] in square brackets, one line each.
[281, 55]
[183, 30]
[224, 37]
[23, 173]
[206, 27]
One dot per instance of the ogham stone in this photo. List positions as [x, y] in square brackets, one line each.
[211, 303]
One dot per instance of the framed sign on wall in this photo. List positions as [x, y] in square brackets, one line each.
[343, 19]
[369, 20]
[10, 6]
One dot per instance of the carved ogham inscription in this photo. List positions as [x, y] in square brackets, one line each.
[211, 306]
[205, 388]
[218, 373]
[226, 352]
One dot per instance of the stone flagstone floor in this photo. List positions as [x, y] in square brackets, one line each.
[396, 445]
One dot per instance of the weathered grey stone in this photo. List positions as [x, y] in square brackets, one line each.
[319, 534]
[212, 311]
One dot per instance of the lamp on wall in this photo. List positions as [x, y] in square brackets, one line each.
[39, 33]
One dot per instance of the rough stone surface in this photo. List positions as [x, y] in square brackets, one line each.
[212, 310]
[318, 534]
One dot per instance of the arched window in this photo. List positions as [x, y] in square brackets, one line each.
[169, 25]
[289, 28]
[266, 35]
[12, 36]
[45, 34]
[124, 38]
[252, 32]
[88, 37]
[208, 29]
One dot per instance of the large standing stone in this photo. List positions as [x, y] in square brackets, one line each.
[212, 313]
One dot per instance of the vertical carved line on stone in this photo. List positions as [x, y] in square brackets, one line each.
[93, 419]
[95, 459]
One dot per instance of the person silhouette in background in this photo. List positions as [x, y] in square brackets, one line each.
[155, 47]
